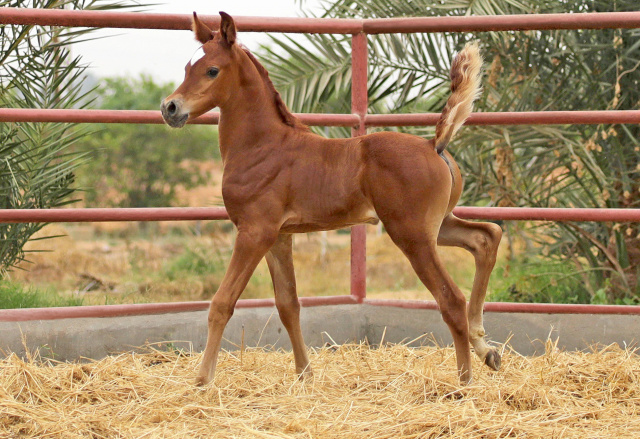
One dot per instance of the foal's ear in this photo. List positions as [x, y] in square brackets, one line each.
[227, 28]
[202, 32]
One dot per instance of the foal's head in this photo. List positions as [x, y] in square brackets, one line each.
[210, 76]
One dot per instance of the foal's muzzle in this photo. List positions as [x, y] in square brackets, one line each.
[172, 113]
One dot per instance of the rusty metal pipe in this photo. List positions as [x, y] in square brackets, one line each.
[74, 312]
[319, 119]
[137, 20]
[359, 106]
[219, 213]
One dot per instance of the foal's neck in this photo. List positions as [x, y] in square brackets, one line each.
[250, 118]
[256, 115]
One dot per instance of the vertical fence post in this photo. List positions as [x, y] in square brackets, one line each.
[359, 105]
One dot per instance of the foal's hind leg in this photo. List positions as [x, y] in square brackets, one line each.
[280, 261]
[418, 243]
[481, 240]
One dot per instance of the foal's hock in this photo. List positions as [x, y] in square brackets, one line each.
[280, 178]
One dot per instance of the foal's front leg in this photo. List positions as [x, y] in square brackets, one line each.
[251, 245]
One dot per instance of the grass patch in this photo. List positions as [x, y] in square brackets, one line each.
[13, 295]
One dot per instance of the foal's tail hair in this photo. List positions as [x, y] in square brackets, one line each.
[465, 88]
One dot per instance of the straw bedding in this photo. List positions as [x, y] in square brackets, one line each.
[357, 392]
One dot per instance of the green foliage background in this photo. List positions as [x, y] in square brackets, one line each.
[36, 159]
[540, 166]
[141, 165]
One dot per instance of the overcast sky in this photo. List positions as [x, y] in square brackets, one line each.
[163, 54]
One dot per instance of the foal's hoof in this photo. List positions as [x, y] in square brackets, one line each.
[493, 359]
[201, 381]
[305, 375]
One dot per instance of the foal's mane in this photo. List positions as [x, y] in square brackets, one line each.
[287, 117]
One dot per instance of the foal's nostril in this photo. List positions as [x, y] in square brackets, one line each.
[171, 108]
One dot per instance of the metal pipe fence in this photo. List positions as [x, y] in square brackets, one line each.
[359, 120]
[319, 119]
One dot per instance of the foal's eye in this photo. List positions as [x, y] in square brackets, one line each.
[212, 72]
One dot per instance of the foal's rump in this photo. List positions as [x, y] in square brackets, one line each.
[406, 177]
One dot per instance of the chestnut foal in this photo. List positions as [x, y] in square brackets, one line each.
[279, 178]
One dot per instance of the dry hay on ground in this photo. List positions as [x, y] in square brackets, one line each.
[358, 392]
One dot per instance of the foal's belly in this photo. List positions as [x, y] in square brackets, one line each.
[298, 223]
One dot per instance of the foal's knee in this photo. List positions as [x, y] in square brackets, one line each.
[289, 311]
[220, 311]
[288, 306]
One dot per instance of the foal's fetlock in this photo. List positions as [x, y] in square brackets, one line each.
[476, 333]
[203, 378]
[466, 378]
[490, 356]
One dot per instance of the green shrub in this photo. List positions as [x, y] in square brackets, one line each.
[538, 280]
[196, 261]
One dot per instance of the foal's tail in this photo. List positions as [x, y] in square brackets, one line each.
[465, 88]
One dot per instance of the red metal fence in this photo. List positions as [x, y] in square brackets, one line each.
[358, 120]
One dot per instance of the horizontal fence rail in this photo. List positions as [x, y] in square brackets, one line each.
[75, 312]
[323, 119]
[219, 213]
[593, 20]
[512, 307]
[102, 311]
[88, 215]
[147, 117]
[137, 20]
[511, 118]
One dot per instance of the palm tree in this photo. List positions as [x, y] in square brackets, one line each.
[36, 160]
[540, 166]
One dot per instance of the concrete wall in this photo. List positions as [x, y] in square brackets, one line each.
[69, 339]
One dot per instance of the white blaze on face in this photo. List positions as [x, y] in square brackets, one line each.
[197, 55]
